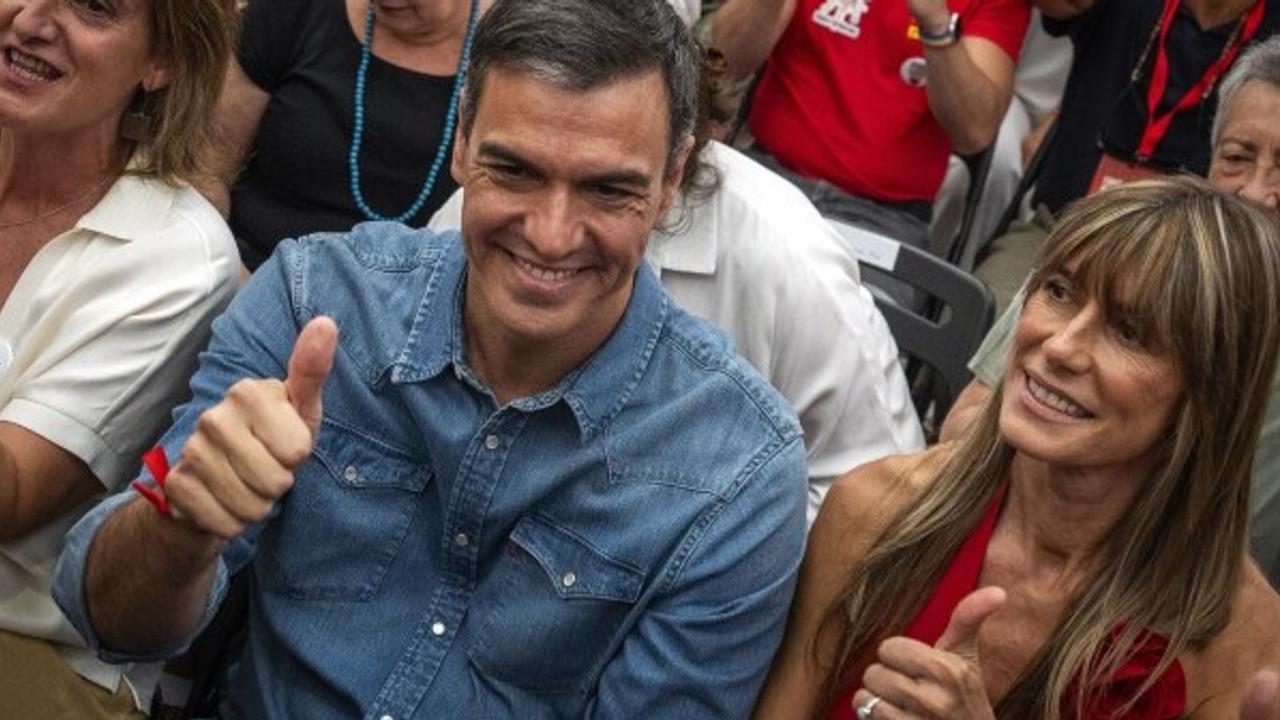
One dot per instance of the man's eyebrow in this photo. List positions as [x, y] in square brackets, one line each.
[626, 178]
[495, 151]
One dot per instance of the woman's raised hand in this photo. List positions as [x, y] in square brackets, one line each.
[913, 680]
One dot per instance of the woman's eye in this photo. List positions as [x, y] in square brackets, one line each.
[1056, 290]
[1128, 333]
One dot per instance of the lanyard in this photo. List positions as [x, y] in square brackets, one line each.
[1158, 124]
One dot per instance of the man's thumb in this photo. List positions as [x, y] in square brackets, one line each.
[309, 365]
[961, 635]
[1262, 697]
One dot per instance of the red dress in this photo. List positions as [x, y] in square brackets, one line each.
[1165, 699]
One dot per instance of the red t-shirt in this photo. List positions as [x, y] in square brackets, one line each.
[842, 98]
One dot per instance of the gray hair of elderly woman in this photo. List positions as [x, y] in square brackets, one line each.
[1261, 62]
[583, 45]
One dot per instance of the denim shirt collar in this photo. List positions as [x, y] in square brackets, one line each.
[595, 391]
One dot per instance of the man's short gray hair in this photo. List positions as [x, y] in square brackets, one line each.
[583, 45]
[1260, 62]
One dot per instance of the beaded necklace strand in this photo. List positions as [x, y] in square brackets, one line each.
[357, 131]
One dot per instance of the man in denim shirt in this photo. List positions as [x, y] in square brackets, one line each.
[523, 483]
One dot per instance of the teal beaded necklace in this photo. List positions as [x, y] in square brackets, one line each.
[357, 129]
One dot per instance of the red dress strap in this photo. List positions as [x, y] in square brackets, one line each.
[959, 579]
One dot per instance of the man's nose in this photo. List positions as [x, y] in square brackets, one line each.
[553, 227]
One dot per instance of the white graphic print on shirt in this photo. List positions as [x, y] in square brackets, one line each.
[842, 16]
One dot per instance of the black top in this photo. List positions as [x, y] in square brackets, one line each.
[305, 54]
[1101, 106]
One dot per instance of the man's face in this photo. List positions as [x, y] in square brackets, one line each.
[1246, 159]
[562, 190]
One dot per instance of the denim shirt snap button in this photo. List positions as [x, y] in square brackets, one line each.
[437, 629]
[492, 442]
[569, 579]
[350, 473]
[461, 540]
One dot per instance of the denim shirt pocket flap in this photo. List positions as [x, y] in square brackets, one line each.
[358, 461]
[576, 569]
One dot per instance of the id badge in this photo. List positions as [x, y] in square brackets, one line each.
[1113, 171]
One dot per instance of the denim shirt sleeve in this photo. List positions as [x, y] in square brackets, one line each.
[702, 649]
[253, 339]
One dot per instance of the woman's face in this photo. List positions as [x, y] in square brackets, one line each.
[73, 66]
[1083, 388]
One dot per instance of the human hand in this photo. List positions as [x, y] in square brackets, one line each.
[933, 16]
[241, 457]
[914, 680]
[1261, 699]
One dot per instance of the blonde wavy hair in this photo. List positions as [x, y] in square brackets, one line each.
[196, 39]
[1201, 273]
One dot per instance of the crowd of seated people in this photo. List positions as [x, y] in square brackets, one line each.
[548, 437]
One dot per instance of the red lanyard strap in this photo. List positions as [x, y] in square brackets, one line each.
[1158, 124]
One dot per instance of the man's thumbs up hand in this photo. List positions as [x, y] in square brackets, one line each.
[309, 367]
[240, 459]
[913, 680]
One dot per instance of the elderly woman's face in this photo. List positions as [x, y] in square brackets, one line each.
[409, 18]
[1083, 388]
[73, 66]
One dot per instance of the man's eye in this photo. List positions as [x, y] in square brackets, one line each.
[612, 192]
[94, 7]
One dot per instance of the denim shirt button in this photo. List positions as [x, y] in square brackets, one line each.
[386, 717]
[350, 473]
[569, 579]
[492, 442]
[461, 540]
[437, 629]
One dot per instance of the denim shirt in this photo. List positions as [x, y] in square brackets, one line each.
[624, 545]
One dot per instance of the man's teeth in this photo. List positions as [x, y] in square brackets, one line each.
[31, 67]
[543, 273]
[1054, 400]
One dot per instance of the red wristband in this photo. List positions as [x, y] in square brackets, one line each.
[158, 464]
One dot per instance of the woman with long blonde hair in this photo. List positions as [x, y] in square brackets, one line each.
[1081, 552]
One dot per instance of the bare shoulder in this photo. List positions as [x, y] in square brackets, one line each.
[863, 500]
[1217, 676]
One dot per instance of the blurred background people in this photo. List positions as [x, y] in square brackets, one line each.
[861, 103]
[111, 267]
[339, 111]
[1081, 551]
[1139, 101]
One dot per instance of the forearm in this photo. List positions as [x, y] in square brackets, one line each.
[963, 99]
[746, 31]
[147, 579]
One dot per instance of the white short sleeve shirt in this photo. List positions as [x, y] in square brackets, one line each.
[101, 334]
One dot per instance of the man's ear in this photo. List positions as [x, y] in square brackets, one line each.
[675, 176]
[458, 161]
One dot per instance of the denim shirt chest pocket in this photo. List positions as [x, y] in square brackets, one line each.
[555, 603]
[342, 525]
